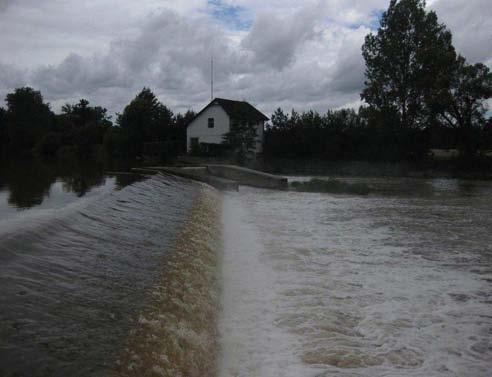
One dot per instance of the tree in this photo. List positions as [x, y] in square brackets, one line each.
[29, 118]
[178, 134]
[3, 130]
[407, 62]
[465, 103]
[241, 138]
[79, 127]
[81, 114]
[145, 119]
[279, 119]
[182, 120]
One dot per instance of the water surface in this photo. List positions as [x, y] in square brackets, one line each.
[77, 261]
[398, 283]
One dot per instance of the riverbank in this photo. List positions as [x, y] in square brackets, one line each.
[481, 170]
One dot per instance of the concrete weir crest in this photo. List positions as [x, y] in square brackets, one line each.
[223, 177]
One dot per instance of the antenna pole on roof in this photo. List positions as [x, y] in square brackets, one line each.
[212, 78]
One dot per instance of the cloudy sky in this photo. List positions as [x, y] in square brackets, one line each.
[289, 53]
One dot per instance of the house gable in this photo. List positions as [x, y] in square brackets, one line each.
[223, 112]
[199, 126]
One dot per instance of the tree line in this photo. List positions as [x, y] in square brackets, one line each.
[29, 126]
[418, 93]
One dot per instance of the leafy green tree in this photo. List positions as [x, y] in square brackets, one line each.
[279, 119]
[242, 139]
[83, 126]
[116, 142]
[465, 103]
[182, 120]
[145, 119]
[29, 118]
[81, 114]
[407, 62]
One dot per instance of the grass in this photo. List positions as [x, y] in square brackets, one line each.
[331, 185]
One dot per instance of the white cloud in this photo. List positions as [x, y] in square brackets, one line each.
[296, 54]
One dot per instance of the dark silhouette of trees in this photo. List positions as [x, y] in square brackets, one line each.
[463, 105]
[28, 125]
[241, 139]
[407, 62]
[335, 135]
[79, 129]
[145, 120]
[147, 126]
[82, 127]
[3, 131]
[81, 114]
[28, 119]
[178, 131]
[182, 120]
[84, 131]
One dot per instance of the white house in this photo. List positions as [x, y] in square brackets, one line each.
[214, 121]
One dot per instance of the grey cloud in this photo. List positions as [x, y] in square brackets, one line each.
[471, 25]
[4, 4]
[348, 75]
[289, 59]
[274, 40]
[11, 77]
[171, 55]
[77, 74]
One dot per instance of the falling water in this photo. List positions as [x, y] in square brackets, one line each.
[394, 284]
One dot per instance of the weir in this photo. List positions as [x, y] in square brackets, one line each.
[223, 177]
[176, 334]
[80, 283]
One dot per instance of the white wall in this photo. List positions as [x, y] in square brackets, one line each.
[199, 127]
[259, 137]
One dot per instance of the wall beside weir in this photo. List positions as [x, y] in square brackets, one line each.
[248, 177]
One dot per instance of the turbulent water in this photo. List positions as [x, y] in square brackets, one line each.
[133, 281]
[75, 278]
[398, 283]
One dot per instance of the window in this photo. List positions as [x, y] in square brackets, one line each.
[210, 122]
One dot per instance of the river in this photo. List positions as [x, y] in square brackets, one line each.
[398, 283]
[99, 270]
[76, 267]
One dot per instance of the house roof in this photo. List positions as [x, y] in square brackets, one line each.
[238, 110]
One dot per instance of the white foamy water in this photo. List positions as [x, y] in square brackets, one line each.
[385, 285]
[252, 344]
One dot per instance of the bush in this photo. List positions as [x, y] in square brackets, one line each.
[332, 186]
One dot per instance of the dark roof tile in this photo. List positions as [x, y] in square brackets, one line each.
[240, 110]
[237, 110]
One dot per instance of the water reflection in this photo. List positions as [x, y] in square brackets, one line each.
[73, 280]
[29, 183]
